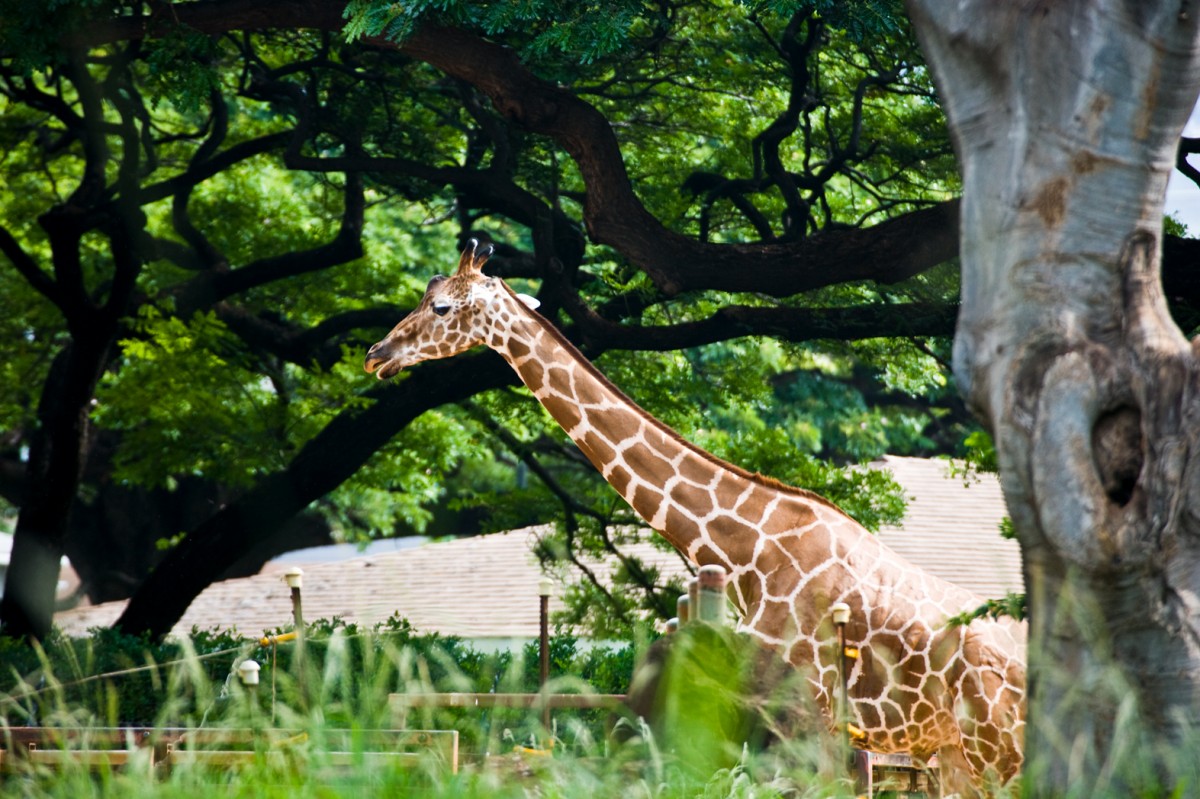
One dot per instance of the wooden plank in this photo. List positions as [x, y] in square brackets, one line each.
[98, 747]
[342, 739]
[91, 748]
[234, 758]
[384, 743]
[354, 759]
[62, 737]
[223, 758]
[382, 746]
[240, 737]
[88, 758]
[531, 701]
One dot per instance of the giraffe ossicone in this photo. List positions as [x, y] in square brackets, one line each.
[918, 685]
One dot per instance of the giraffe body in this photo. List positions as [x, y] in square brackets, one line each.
[917, 686]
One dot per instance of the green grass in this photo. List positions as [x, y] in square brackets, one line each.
[341, 680]
[338, 684]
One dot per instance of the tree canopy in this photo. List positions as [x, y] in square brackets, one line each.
[745, 213]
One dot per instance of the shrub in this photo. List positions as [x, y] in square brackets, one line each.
[108, 678]
[111, 679]
[336, 686]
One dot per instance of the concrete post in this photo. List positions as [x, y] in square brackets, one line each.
[711, 595]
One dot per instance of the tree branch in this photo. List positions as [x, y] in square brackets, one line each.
[27, 266]
[204, 252]
[612, 212]
[303, 346]
[768, 164]
[788, 324]
[328, 459]
[212, 166]
[570, 506]
[211, 287]
[1188, 146]
[907, 245]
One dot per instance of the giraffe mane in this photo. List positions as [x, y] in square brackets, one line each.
[765, 480]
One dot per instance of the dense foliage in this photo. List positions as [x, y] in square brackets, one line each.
[333, 696]
[743, 212]
[255, 207]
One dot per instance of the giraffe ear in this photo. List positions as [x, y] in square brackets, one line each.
[474, 257]
[530, 302]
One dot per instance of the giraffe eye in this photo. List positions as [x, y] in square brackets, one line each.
[441, 309]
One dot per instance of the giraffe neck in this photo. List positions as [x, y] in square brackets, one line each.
[708, 509]
[792, 554]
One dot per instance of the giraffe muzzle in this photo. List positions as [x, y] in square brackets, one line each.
[382, 367]
[383, 370]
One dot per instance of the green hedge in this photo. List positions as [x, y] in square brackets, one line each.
[63, 681]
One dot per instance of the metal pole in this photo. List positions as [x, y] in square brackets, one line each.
[247, 672]
[294, 577]
[545, 586]
[841, 616]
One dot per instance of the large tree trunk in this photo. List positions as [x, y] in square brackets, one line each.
[1066, 117]
[57, 456]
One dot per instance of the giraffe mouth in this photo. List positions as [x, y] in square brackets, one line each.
[383, 369]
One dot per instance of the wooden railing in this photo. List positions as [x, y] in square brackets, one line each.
[25, 747]
[402, 702]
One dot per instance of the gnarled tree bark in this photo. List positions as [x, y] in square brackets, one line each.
[1066, 118]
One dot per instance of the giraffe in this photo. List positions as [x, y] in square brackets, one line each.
[917, 686]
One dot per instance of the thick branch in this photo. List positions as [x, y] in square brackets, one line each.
[27, 266]
[614, 215]
[612, 212]
[208, 288]
[331, 457]
[304, 346]
[212, 166]
[789, 324]
[203, 250]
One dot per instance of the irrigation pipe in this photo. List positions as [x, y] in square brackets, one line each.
[120, 673]
[265, 641]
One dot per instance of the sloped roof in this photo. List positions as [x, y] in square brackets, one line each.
[482, 587]
[952, 526]
[486, 587]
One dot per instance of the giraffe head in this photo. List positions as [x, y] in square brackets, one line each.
[456, 313]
